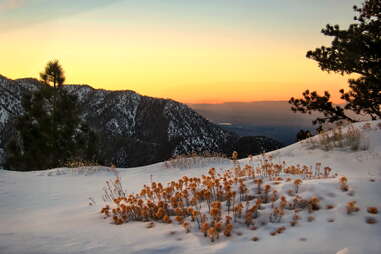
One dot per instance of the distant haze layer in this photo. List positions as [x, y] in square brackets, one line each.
[261, 113]
[273, 119]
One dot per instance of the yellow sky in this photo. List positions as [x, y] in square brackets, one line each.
[188, 64]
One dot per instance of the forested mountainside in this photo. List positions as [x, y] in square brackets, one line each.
[134, 129]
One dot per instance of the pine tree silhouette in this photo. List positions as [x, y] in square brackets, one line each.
[356, 50]
[51, 131]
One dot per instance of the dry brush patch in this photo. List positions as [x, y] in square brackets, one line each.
[197, 160]
[340, 137]
[221, 201]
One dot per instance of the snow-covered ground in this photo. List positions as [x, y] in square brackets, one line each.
[49, 211]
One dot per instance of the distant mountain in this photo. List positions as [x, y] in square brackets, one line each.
[135, 130]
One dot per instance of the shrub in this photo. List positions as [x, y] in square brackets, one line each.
[255, 239]
[217, 202]
[372, 210]
[79, 163]
[352, 207]
[371, 220]
[350, 137]
[196, 160]
[343, 183]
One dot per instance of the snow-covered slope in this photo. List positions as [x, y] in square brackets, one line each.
[135, 129]
[49, 211]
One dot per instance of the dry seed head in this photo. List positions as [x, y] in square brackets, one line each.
[343, 180]
[255, 239]
[298, 181]
[371, 220]
[212, 233]
[372, 210]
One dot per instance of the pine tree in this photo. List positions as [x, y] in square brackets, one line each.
[53, 74]
[51, 131]
[356, 50]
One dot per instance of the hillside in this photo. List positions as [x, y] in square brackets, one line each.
[49, 211]
[134, 130]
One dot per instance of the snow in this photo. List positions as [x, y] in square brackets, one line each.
[49, 212]
[121, 113]
[343, 251]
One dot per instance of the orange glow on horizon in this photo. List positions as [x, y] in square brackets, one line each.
[187, 66]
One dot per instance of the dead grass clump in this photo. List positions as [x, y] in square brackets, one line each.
[280, 230]
[371, 220]
[79, 164]
[196, 160]
[187, 226]
[353, 138]
[219, 201]
[343, 183]
[204, 228]
[255, 239]
[339, 137]
[352, 207]
[228, 230]
[213, 234]
[297, 183]
[372, 210]
[166, 219]
[114, 191]
[313, 204]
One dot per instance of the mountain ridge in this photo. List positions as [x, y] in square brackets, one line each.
[135, 129]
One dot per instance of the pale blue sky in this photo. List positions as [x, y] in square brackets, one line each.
[241, 14]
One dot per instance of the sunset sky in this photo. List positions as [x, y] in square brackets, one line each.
[193, 51]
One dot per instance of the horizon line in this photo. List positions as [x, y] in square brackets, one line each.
[196, 102]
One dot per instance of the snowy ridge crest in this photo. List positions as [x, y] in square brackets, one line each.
[136, 129]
